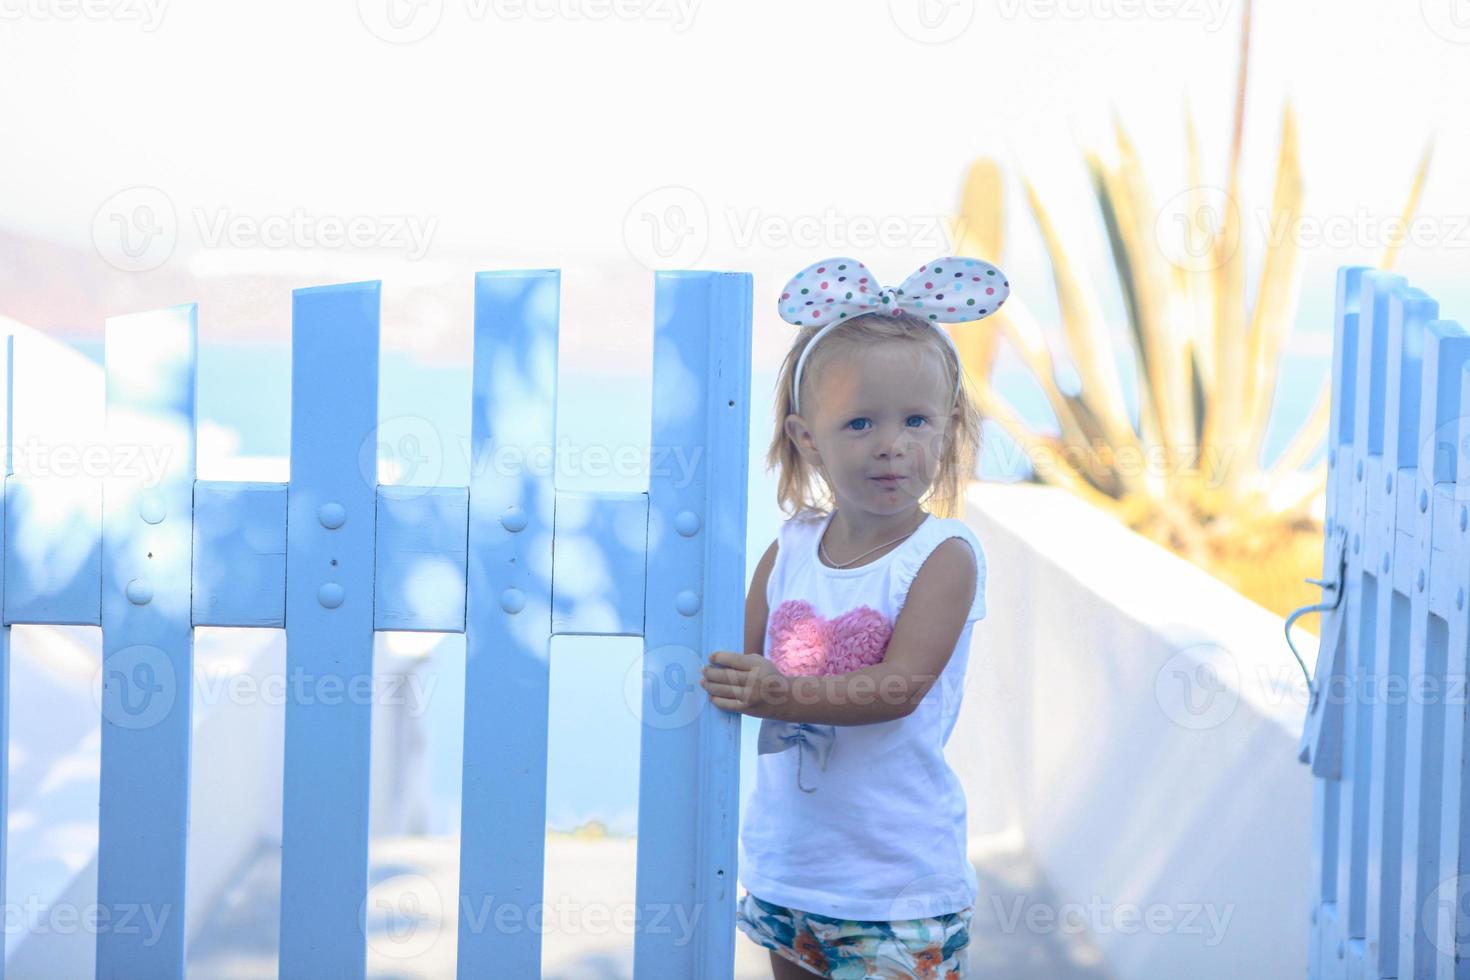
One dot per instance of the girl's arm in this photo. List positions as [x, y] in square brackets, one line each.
[756, 608]
[933, 617]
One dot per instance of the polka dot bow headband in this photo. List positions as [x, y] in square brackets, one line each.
[951, 289]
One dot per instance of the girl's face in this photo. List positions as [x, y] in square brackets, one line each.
[880, 410]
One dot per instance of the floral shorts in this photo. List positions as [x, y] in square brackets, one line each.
[855, 949]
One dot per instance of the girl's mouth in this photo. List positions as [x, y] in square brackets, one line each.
[888, 481]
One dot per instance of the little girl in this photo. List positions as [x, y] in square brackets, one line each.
[857, 631]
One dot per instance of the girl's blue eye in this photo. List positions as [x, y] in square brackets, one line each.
[922, 419]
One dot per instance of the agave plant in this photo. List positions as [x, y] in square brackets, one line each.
[1207, 356]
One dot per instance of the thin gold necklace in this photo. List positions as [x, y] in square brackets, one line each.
[822, 546]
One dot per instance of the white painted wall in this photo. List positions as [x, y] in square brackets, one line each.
[1135, 721]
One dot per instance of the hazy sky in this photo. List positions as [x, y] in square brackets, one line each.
[455, 134]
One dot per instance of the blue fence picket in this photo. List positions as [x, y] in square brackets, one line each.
[1401, 632]
[1384, 717]
[1326, 728]
[1432, 778]
[1396, 716]
[508, 623]
[7, 352]
[147, 642]
[688, 781]
[1443, 931]
[330, 524]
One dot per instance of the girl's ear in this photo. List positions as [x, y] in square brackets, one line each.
[801, 436]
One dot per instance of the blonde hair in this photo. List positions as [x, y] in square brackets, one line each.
[801, 486]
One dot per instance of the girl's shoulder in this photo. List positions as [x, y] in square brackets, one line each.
[802, 524]
[795, 538]
[937, 530]
[931, 534]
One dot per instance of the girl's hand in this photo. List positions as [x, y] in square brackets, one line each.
[745, 682]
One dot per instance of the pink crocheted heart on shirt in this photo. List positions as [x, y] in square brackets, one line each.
[805, 643]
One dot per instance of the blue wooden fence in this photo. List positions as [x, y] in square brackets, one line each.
[1386, 733]
[332, 556]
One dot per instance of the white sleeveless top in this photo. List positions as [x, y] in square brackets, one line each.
[882, 833]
